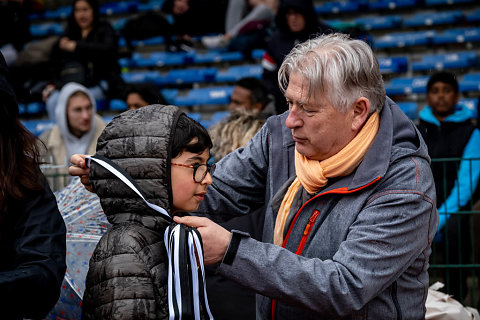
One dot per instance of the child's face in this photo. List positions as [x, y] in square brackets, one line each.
[187, 194]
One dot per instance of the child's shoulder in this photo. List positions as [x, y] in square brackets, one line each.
[127, 237]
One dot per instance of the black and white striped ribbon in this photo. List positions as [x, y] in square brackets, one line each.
[187, 295]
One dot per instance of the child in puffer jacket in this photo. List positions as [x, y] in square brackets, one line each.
[165, 153]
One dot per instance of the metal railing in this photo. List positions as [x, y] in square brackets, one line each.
[456, 251]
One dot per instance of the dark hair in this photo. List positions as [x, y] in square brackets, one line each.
[149, 92]
[187, 129]
[258, 90]
[445, 77]
[19, 155]
[73, 30]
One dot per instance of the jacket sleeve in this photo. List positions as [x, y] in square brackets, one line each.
[239, 181]
[32, 288]
[103, 48]
[468, 177]
[390, 232]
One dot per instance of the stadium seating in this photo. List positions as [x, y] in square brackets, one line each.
[433, 18]
[470, 83]
[393, 64]
[404, 39]
[406, 85]
[446, 61]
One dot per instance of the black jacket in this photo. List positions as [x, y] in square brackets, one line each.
[32, 251]
[96, 55]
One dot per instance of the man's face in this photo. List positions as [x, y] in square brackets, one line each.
[295, 20]
[79, 115]
[318, 129]
[135, 101]
[442, 98]
[240, 100]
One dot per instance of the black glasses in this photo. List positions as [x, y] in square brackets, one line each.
[199, 170]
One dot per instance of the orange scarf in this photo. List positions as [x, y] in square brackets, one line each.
[313, 175]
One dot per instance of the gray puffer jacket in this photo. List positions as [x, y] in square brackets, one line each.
[127, 278]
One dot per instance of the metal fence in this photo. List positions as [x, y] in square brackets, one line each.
[456, 251]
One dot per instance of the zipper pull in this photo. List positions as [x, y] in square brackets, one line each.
[310, 222]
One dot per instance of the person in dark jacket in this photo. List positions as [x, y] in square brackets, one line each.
[166, 153]
[449, 132]
[32, 231]
[87, 54]
[295, 22]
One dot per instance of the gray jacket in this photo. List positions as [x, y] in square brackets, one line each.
[365, 253]
[127, 276]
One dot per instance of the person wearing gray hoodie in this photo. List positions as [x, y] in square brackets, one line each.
[77, 129]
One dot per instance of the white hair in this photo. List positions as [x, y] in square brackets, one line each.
[338, 67]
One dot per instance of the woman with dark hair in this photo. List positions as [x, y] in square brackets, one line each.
[32, 231]
[86, 53]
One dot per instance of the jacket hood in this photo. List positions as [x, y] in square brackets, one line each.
[304, 7]
[140, 142]
[461, 114]
[72, 143]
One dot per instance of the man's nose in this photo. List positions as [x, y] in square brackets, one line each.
[293, 120]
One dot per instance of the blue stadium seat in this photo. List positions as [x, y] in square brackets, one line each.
[46, 29]
[407, 85]
[121, 7]
[470, 82]
[170, 95]
[118, 24]
[153, 5]
[37, 127]
[340, 6]
[433, 18]
[459, 35]
[257, 54]
[144, 77]
[195, 116]
[409, 108]
[182, 76]
[382, 22]
[446, 2]
[31, 108]
[446, 61]
[217, 56]
[205, 96]
[157, 59]
[393, 65]
[473, 16]
[391, 4]
[60, 13]
[404, 39]
[118, 105]
[472, 104]
[235, 73]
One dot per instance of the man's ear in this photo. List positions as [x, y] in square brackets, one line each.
[361, 110]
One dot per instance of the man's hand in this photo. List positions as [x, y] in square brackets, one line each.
[80, 169]
[67, 45]
[214, 237]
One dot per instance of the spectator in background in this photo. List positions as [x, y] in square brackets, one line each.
[14, 28]
[86, 53]
[193, 18]
[247, 19]
[143, 94]
[249, 94]
[77, 129]
[449, 132]
[295, 22]
[228, 135]
[32, 231]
